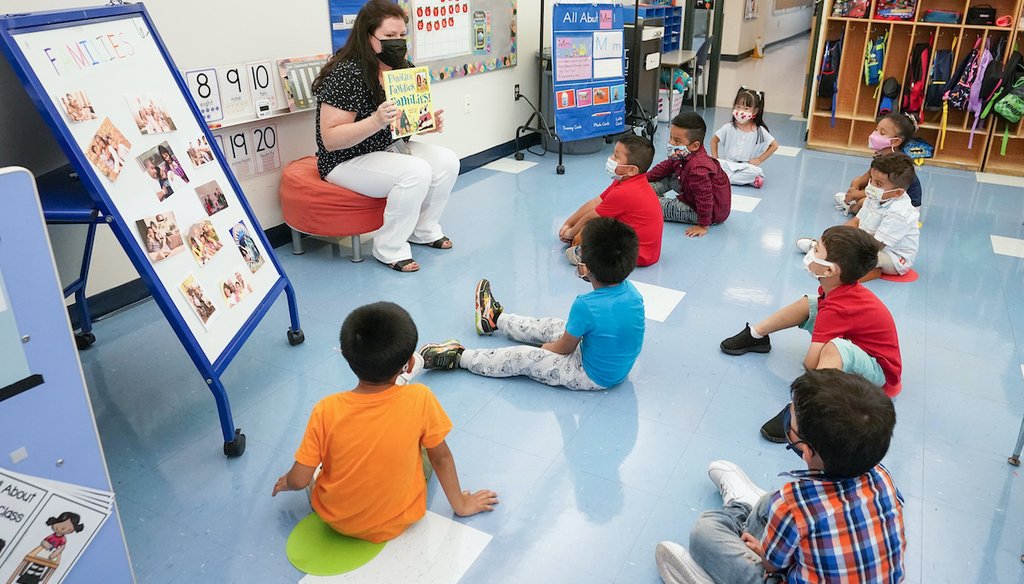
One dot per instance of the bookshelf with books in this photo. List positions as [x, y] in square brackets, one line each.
[857, 104]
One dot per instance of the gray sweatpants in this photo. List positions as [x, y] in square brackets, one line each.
[538, 364]
[672, 209]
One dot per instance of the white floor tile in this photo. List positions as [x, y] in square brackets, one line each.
[743, 203]
[1000, 179]
[1008, 246]
[435, 549]
[510, 165]
[658, 302]
[787, 151]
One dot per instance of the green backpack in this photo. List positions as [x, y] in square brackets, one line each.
[1010, 107]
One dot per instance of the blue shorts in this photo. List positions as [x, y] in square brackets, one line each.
[855, 359]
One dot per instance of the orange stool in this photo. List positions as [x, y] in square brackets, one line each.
[315, 207]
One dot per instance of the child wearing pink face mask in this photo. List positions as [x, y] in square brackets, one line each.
[745, 141]
[891, 133]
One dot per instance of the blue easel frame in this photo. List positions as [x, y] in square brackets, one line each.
[234, 439]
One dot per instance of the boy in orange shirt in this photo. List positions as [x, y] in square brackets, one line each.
[371, 485]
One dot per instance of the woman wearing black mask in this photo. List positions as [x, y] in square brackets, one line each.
[354, 145]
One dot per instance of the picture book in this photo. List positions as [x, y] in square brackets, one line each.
[410, 90]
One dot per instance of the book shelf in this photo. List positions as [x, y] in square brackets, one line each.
[672, 17]
[857, 103]
[1012, 161]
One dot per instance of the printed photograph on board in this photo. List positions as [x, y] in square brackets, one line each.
[247, 246]
[198, 299]
[211, 197]
[77, 106]
[163, 167]
[199, 151]
[149, 115]
[236, 286]
[160, 236]
[203, 241]
[108, 150]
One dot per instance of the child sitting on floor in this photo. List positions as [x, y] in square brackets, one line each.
[891, 133]
[838, 520]
[629, 199]
[744, 142]
[594, 350]
[371, 485]
[888, 215]
[703, 195]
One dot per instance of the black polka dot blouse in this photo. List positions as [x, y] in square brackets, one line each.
[345, 89]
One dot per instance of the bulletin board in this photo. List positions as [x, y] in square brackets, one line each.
[462, 37]
[588, 63]
[107, 83]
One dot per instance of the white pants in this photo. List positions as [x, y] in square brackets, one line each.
[740, 173]
[538, 364]
[416, 185]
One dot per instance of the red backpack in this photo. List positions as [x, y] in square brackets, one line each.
[917, 80]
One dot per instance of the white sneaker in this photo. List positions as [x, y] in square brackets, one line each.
[841, 203]
[804, 244]
[734, 484]
[677, 566]
[406, 377]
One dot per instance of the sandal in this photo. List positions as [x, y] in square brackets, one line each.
[400, 266]
[443, 243]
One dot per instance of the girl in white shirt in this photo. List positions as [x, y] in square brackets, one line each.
[745, 142]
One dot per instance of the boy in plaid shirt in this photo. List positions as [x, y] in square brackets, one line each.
[840, 521]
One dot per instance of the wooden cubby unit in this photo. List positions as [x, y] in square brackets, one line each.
[857, 103]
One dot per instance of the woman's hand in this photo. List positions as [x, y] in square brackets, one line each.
[387, 112]
[439, 120]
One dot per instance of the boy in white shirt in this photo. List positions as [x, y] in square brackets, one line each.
[888, 215]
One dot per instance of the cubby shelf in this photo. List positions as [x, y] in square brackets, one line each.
[856, 104]
[671, 16]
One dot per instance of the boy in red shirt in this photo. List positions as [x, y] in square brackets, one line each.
[850, 328]
[703, 193]
[629, 199]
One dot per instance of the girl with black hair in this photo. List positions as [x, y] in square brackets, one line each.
[745, 140]
[355, 149]
[891, 133]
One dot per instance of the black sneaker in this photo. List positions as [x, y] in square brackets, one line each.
[488, 309]
[774, 430]
[743, 342]
[442, 355]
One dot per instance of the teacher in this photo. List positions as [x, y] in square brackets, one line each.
[354, 145]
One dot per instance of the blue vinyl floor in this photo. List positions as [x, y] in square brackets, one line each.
[590, 482]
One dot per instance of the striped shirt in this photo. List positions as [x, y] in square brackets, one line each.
[846, 531]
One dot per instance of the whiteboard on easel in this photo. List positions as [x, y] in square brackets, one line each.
[115, 93]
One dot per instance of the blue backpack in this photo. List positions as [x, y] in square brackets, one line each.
[942, 70]
[828, 75]
[874, 60]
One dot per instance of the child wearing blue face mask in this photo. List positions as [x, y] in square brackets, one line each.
[703, 196]
[629, 199]
[850, 327]
[888, 215]
[745, 142]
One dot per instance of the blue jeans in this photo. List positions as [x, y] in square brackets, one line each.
[716, 545]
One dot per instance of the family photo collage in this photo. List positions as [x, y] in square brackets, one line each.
[175, 167]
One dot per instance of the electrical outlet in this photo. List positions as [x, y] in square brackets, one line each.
[517, 91]
[467, 105]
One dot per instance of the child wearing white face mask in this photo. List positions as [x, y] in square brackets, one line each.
[851, 329]
[744, 142]
[891, 133]
[629, 199]
[887, 214]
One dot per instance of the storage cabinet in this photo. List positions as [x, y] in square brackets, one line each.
[857, 104]
[671, 16]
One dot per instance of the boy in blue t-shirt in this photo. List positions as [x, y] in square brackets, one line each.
[594, 350]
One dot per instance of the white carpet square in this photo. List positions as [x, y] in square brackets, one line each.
[1008, 246]
[658, 302]
[510, 165]
[743, 203]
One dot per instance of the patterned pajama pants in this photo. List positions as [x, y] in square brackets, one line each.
[536, 363]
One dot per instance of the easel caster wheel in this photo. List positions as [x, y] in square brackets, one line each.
[560, 169]
[296, 337]
[1014, 460]
[84, 340]
[607, 139]
[236, 447]
[520, 156]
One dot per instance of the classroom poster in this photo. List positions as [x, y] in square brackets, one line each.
[343, 16]
[443, 29]
[410, 90]
[587, 53]
[297, 75]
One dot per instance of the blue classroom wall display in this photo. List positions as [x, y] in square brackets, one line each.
[588, 70]
[343, 15]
